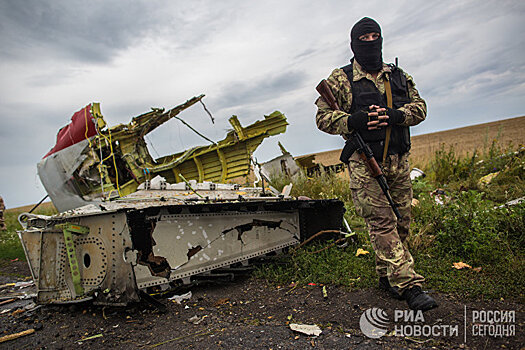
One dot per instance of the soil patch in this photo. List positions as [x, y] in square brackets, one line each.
[247, 313]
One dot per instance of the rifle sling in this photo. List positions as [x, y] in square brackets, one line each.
[388, 91]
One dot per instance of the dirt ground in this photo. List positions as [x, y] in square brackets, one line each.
[244, 314]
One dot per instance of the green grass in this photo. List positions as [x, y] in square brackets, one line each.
[331, 266]
[10, 246]
[492, 282]
[470, 227]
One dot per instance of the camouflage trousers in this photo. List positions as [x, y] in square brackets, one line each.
[387, 234]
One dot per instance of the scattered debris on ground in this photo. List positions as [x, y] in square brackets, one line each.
[244, 314]
[307, 329]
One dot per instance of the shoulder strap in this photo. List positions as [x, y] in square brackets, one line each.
[398, 76]
[349, 71]
[388, 91]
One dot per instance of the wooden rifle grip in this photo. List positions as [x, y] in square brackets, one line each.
[372, 165]
[326, 93]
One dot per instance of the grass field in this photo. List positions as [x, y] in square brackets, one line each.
[507, 132]
[464, 141]
[10, 247]
[471, 226]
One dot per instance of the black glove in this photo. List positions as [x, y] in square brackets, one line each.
[358, 120]
[395, 116]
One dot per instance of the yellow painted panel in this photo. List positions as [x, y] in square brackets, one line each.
[199, 168]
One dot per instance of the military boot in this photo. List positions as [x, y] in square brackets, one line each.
[384, 284]
[418, 300]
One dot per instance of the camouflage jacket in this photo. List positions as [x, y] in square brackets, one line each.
[334, 122]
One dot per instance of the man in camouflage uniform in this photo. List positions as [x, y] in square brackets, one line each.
[361, 93]
[2, 221]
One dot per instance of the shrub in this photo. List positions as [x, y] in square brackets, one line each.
[472, 229]
[471, 226]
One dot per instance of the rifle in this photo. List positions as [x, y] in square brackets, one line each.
[365, 153]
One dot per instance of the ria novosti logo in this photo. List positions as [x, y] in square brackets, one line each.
[374, 323]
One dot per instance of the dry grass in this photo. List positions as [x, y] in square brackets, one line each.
[10, 247]
[45, 206]
[468, 139]
[464, 140]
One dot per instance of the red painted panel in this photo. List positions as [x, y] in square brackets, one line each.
[76, 130]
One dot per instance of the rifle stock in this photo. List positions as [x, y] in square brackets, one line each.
[363, 149]
[326, 93]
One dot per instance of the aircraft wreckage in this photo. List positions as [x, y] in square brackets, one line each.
[91, 162]
[133, 223]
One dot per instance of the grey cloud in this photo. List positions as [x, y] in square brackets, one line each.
[20, 185]
[461, 59]
[89, 31]
[27, 134]
[53, 77]
[246, 92]
[495, 75]
[95, 31]
[306, 53]
[463, 56]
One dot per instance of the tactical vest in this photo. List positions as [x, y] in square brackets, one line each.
[365, 93]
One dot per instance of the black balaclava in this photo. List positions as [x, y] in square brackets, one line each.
[367, 53]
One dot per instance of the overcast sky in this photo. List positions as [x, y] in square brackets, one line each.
[249, 58]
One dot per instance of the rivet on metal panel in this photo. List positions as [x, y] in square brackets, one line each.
[68, 229]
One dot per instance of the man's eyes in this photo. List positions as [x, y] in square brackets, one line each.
[369, 37]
